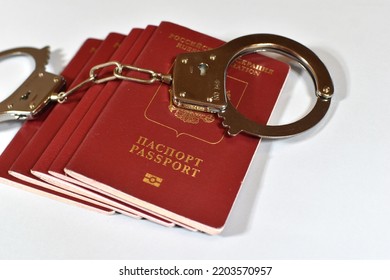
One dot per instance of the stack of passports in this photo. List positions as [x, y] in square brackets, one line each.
[123, 147]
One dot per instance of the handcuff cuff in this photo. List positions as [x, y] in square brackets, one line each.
[192, 90]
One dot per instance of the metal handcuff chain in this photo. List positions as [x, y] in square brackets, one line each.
[116, 74]
[41, 87]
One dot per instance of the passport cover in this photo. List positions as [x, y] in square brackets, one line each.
[41, 166]
[29, 129]
[56, 119]
[77, 125]
[176, 163]
[70, 143]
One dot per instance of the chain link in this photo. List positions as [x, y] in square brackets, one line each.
[116, 74]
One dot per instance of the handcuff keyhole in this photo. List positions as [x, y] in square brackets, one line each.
[25, 96]
[203, 68]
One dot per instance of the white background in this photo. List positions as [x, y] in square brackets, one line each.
[324, 194]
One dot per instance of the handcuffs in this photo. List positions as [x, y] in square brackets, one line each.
[189, 91]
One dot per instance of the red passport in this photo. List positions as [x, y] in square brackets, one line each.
[77, 125]
[40, 168]
[56, 119]
[29, 129]
[54, 163]
[176, 163]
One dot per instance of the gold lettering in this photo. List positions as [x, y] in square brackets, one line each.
[167, 161]
[176, 165]
[158, 159]
[187, 44]
[169, 151]
[180, 155]
[186, 169]
[198, 162]
[142, 140]
[251, 68]
[134, 148]
[158, 148]
[150, 155]
[189, 158]
[141, 153]
[150, 145]
[167, 156]
[196, 171]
